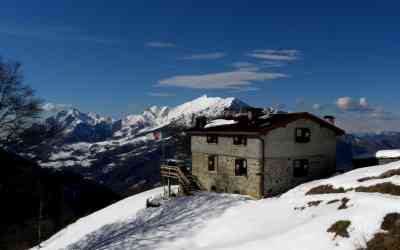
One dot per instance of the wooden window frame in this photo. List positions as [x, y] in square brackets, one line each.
[243, 169]
[212, 139]
[214, 160]
[301, 168]
[302, 135]
[240, 140]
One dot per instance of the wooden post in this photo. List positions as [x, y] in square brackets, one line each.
[40, 216]
[169, 187]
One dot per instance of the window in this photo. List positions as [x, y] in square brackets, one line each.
[240, 167]
[303, 135]
[300, 168]
[240, 140]
[212, 139]
[212, 162]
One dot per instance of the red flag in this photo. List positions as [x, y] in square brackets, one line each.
[157, 135]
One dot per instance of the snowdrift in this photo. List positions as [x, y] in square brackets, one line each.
[348, 211]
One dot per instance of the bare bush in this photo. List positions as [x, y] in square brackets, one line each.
[18, 104]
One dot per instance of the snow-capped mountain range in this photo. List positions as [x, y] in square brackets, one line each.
[123, 154]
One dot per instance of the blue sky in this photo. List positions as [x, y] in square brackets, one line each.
[117, 57]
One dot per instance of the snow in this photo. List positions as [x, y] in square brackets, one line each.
[125, 210]
[390, 153]
[158, 117]
[226, 221]
[135, 137]
[220, 122]
[60, 155]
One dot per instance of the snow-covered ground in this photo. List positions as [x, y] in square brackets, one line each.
[294, 220]
[388, 153]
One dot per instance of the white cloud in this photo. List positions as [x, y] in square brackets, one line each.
[347, 103]
[276, 55]
[160, 94]
[158, 44]
[316, 106]
[245, 66]
[354, 115]
[363, 102]
[225, 80]
[245, 89]
[54, 107]
[271, 64]
[206, 56]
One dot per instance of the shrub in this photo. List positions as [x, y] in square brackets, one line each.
[383, 188]
[389, 240]
[387, 174]
[340, 228]
[325, 189]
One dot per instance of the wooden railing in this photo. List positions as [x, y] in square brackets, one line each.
[188, 182]
[174, 172]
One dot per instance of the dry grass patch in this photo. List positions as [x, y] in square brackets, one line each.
[313, 203]
[309, 204]
[333, 201]
[344, 203]
[387, 174]
[383, 188]
[340, 228]
[325, 189]
[389, 240]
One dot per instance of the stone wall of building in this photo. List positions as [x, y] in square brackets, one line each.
[226, 147]
[281, 150]
[223, 179]
[278, 174]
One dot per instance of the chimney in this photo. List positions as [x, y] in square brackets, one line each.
[254, 113]
[330, 119]
[250, 115]
[201, 121]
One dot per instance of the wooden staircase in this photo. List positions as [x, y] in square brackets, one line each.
[186, 180]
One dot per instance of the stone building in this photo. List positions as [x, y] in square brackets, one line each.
[262, 155]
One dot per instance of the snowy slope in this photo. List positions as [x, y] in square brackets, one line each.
[296, 220]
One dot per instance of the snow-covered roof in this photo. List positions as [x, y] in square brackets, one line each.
[220, 122]
[261, 125]
[389, 153]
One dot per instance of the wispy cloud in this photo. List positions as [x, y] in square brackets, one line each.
[238, 79]
[159, 44]
[54, 33]
[276, 55]
[246, 66]
[205, 56]
[160, 94]
[273, 64]
[245, 89]
[54, 107]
